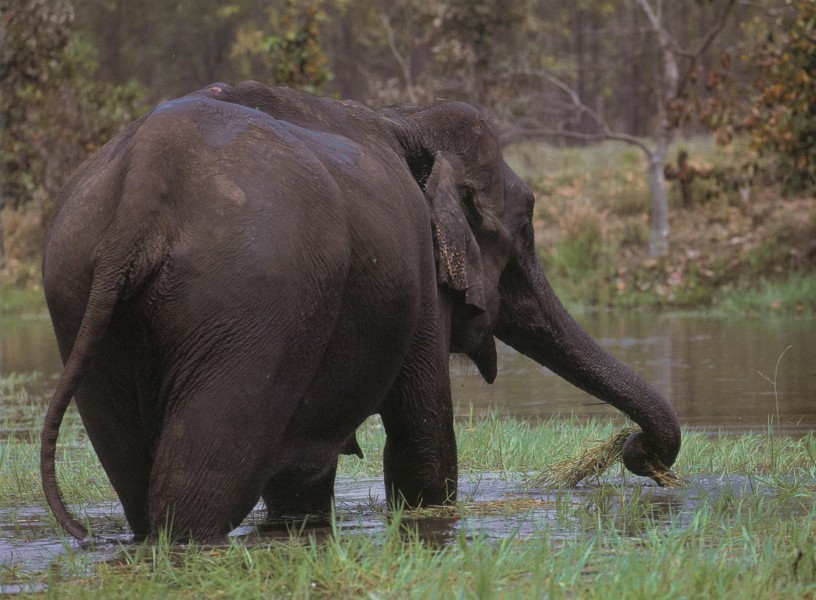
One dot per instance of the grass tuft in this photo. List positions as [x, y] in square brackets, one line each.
[595, 461]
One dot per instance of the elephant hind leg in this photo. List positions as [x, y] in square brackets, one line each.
[196, 496]
[207, 476]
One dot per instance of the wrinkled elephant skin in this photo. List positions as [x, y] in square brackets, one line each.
[245, 274]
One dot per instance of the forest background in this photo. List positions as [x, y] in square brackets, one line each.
[671, 143]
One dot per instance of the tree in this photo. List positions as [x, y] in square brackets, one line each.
[287, 51]
[584, 70]
[590, 70]
[54, 110]
[782, 118]
[670, 78]
[34, 33]
[171, 48]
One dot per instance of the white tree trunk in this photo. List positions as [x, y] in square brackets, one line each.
[2, 255]
[659, 241]
[667, 82]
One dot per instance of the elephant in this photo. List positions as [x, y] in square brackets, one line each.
[245, 274]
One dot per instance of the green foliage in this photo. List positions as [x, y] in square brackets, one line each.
[580, 264]
[477, 37]
[768, 94]
[794, 294]
[35, 37]
[783, 120]
[66, 119]
[57, 110]
[286, 52]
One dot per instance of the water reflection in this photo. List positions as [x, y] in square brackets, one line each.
[28, 344]
[715, 371]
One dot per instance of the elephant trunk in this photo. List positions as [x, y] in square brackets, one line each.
[534, 322]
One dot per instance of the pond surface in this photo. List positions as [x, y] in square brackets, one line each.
[716, 372]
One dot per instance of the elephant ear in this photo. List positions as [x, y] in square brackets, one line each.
[458, 257]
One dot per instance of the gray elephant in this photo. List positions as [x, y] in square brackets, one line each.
[246, 273]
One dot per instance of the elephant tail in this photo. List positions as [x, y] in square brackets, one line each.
[95, 321]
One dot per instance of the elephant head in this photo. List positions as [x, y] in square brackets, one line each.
[484, 244]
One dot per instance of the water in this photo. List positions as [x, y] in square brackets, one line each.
[500, 507]
[716, 372]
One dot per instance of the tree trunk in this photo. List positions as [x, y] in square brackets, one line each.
[667, 86]
[2, 206]
[659, 241]
[2, 241]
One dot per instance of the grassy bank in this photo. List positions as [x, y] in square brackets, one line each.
[746, 526]
[740, 246]
[21, 290]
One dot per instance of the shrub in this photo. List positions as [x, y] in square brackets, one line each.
[783, 119]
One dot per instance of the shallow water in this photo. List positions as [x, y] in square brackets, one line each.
[498, 506]
[714, 371]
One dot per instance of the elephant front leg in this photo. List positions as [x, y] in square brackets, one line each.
[419, 459]
[297, 495]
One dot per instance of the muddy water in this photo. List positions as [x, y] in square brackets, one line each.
[714, 371]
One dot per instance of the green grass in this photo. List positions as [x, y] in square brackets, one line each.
[21, 300]
[796, 294]
[613, 538]
[747, 563]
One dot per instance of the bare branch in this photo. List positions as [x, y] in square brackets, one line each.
[715, 31]
[533, 130]
[671, 74]
[522, 132]
[653, 17]
[401, 60]
[707, 41]
[576, 101]
[668, 43]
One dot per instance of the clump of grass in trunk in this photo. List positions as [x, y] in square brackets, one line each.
[595, 461]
